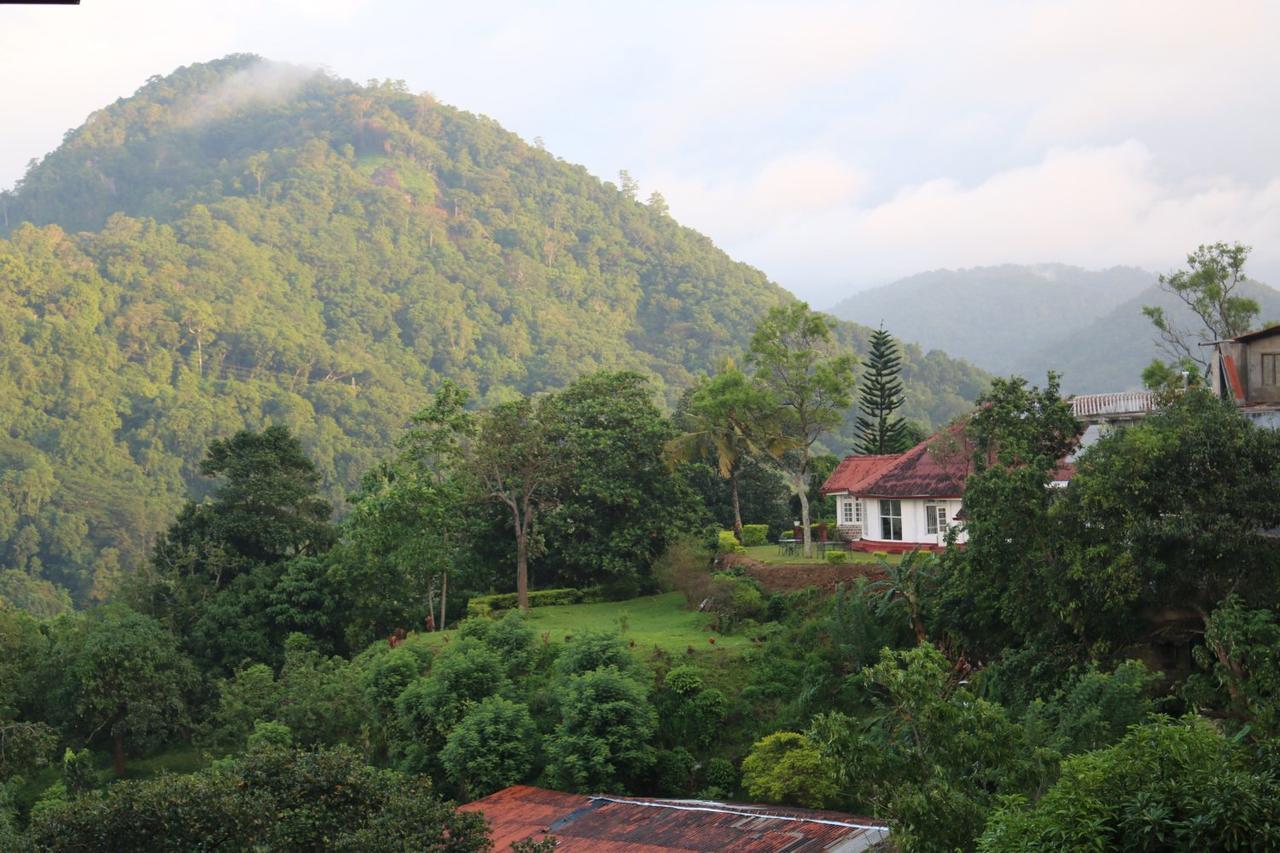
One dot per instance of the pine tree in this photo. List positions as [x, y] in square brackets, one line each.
[877, 430]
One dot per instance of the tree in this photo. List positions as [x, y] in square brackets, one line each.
[267, 799]
[491, 748]
[787, 768]
[906, 582]
[877, 431]
[795, 361]
[1208, 287]
[1170, 513]
[629, 186]
[124, 678]
[1168, 785]
[724, 422]
[602, 742]
[516, 463]
[618, 502]
[994, 591]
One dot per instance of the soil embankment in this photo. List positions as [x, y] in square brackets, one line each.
[785, 578]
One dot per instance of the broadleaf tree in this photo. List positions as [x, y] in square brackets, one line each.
[797, 362]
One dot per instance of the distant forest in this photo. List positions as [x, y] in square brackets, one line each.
[242, 244]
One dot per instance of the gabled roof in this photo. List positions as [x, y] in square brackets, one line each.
[638, 825]
[935, 468]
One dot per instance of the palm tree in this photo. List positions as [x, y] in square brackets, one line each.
[904, 583]
[723, 421]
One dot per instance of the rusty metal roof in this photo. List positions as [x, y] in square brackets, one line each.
[637, 825]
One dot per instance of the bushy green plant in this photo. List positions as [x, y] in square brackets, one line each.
[269, 734]
[755, 534]
[727, 543]
[837, 557]
[603, 740]
[786, 767]
[486, 605]
[594, 650]
[492, 747]
[431, 706]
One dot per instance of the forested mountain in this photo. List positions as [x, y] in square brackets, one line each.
[1088, 325]
[1110, 353]
[993, 316]
[243, 243]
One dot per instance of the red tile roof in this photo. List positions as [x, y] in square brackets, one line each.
[636, 825]
[935, 468]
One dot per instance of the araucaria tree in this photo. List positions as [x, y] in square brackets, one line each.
[1208, 287]
[517, 462]
[796, 362]
[877, 430]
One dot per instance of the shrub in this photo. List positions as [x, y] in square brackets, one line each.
[267, 799]
[491, 748]
[837, 558]
[485, 605]
[727, 543]
[755, 534]
[595, 650]
[685, 559]
[735, 599]
[270, 734]
[786, 767]
[602, 742]
[430, 707]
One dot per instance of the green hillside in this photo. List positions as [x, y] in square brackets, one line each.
[241, 243]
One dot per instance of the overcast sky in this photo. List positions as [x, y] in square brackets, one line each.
[834, 145]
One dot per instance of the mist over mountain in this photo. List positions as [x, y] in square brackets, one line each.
[243, 243]
[1087, 325]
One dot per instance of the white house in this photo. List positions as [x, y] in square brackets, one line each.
[903, 501]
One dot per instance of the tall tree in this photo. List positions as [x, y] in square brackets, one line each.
[1208, 286]
[724, 423]
[811, 385]
[877, 430]
[517, 463]
[125, 678]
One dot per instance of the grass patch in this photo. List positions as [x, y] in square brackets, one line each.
[771, 555]
[653, 620]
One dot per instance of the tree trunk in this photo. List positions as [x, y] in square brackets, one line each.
[444, 593]
[804, 515]
[737, 509]
[117, 753]
[522, 569]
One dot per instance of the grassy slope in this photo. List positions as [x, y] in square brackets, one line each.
[769, 555]
[655, 620]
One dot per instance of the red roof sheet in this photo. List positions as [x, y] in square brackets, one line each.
[635, 825]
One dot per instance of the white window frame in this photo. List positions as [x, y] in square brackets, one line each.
[888, 517]
[936, 518]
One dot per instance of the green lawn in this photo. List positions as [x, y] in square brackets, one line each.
[654, 620]
[771, 555]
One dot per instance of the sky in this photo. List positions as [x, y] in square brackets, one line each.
[836, 146]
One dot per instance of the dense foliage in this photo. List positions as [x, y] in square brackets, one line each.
[263, 245]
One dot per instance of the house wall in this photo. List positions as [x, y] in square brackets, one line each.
[1239, 355]
[914, 524]
[1256, 392]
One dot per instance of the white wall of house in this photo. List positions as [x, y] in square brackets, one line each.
[866, 511]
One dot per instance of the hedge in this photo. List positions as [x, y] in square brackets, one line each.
[755, 534]
[484, 605]
[727, 543]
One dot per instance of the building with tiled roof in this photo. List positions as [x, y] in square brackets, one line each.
[608, 824]
[903, 501]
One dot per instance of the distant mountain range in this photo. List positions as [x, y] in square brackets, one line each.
[1086, 324]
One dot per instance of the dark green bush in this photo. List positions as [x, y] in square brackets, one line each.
[485, 605]
[755, 534]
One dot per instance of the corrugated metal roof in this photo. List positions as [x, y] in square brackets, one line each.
[1120, 403]
[1261, 333]
[635, 825]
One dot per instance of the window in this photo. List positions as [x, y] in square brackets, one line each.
[891, 520]
[851, 511]
[935, 518]
[1271, 368]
